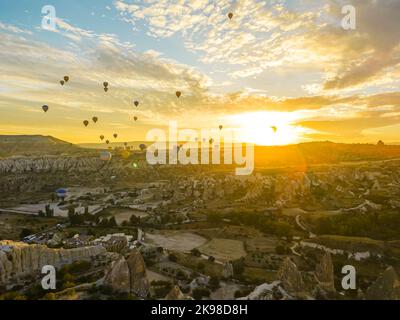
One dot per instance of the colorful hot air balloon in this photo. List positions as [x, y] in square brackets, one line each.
[220, 127]
[62, 82]
[86, 123]
[230, 15]
[125, 154]
[135, 118]
[45, 108]
[62, 193]
[101, 137]
[178, 94]
[95, 119]
[142, 146]
[211, 141]
[136, 103]
[105, 89]
[115, 135]
[66, 78]
[107, 141]
[105, 84]
[105, 156]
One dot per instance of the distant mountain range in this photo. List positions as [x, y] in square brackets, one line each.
[35, 145]
[299, 154]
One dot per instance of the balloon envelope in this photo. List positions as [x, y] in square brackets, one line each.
[45, 108]
[178, 94]
[105, 89]
[230, 15]
[125, 154]
[105, 84]
[86, 123]
[136, 103]
[66, 78]
[135, 118]
[95, 119]
[115, 135]
[62, 82]
[105, 156]
[101, 137]
[61, 193]
[107, 141]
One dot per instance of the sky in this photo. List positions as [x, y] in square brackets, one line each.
[278, 72]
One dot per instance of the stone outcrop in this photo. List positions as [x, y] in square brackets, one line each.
[267, 291]
[290, 277]
[49, 164]
[129, 275]
[175, 294]
[118, 277]
[18, 259]
[386, 287]
[137, 270]
[324, 274]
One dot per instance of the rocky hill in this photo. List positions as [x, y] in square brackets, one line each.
[18, 259]
[12, 145]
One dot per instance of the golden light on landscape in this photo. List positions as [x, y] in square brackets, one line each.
[267, 128]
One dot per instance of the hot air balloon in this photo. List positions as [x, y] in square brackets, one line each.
[62, 193]
[275, 129]
[66, 78]
[105, 156]
[125, 154]
[115, 135]
[86, 123]
[230, 15]
[178, 94]
[220, 127]
[101, 137]
[107, 141]
[211, 141]
[105, 84]
[95, 119]
[142, 146]
[135, 118]
[105, 89]
[136, 103]
[62, 82]
[125, 144]
[45, 108]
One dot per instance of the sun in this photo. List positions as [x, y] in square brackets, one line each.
[266, 128]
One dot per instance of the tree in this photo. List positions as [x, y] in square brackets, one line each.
[112, 222]
[172, 257]
[199, 293]
[25, 232]
[195, 252]
[214, 283]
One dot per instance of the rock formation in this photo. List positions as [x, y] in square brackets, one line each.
[290, 277]
[129, 275]
[175, 294]
[18, 259]
[324, 274]
[386, 287]
[138, 277]
[118, 277]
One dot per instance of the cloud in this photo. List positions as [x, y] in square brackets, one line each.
[14, 29]
[273, 36]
